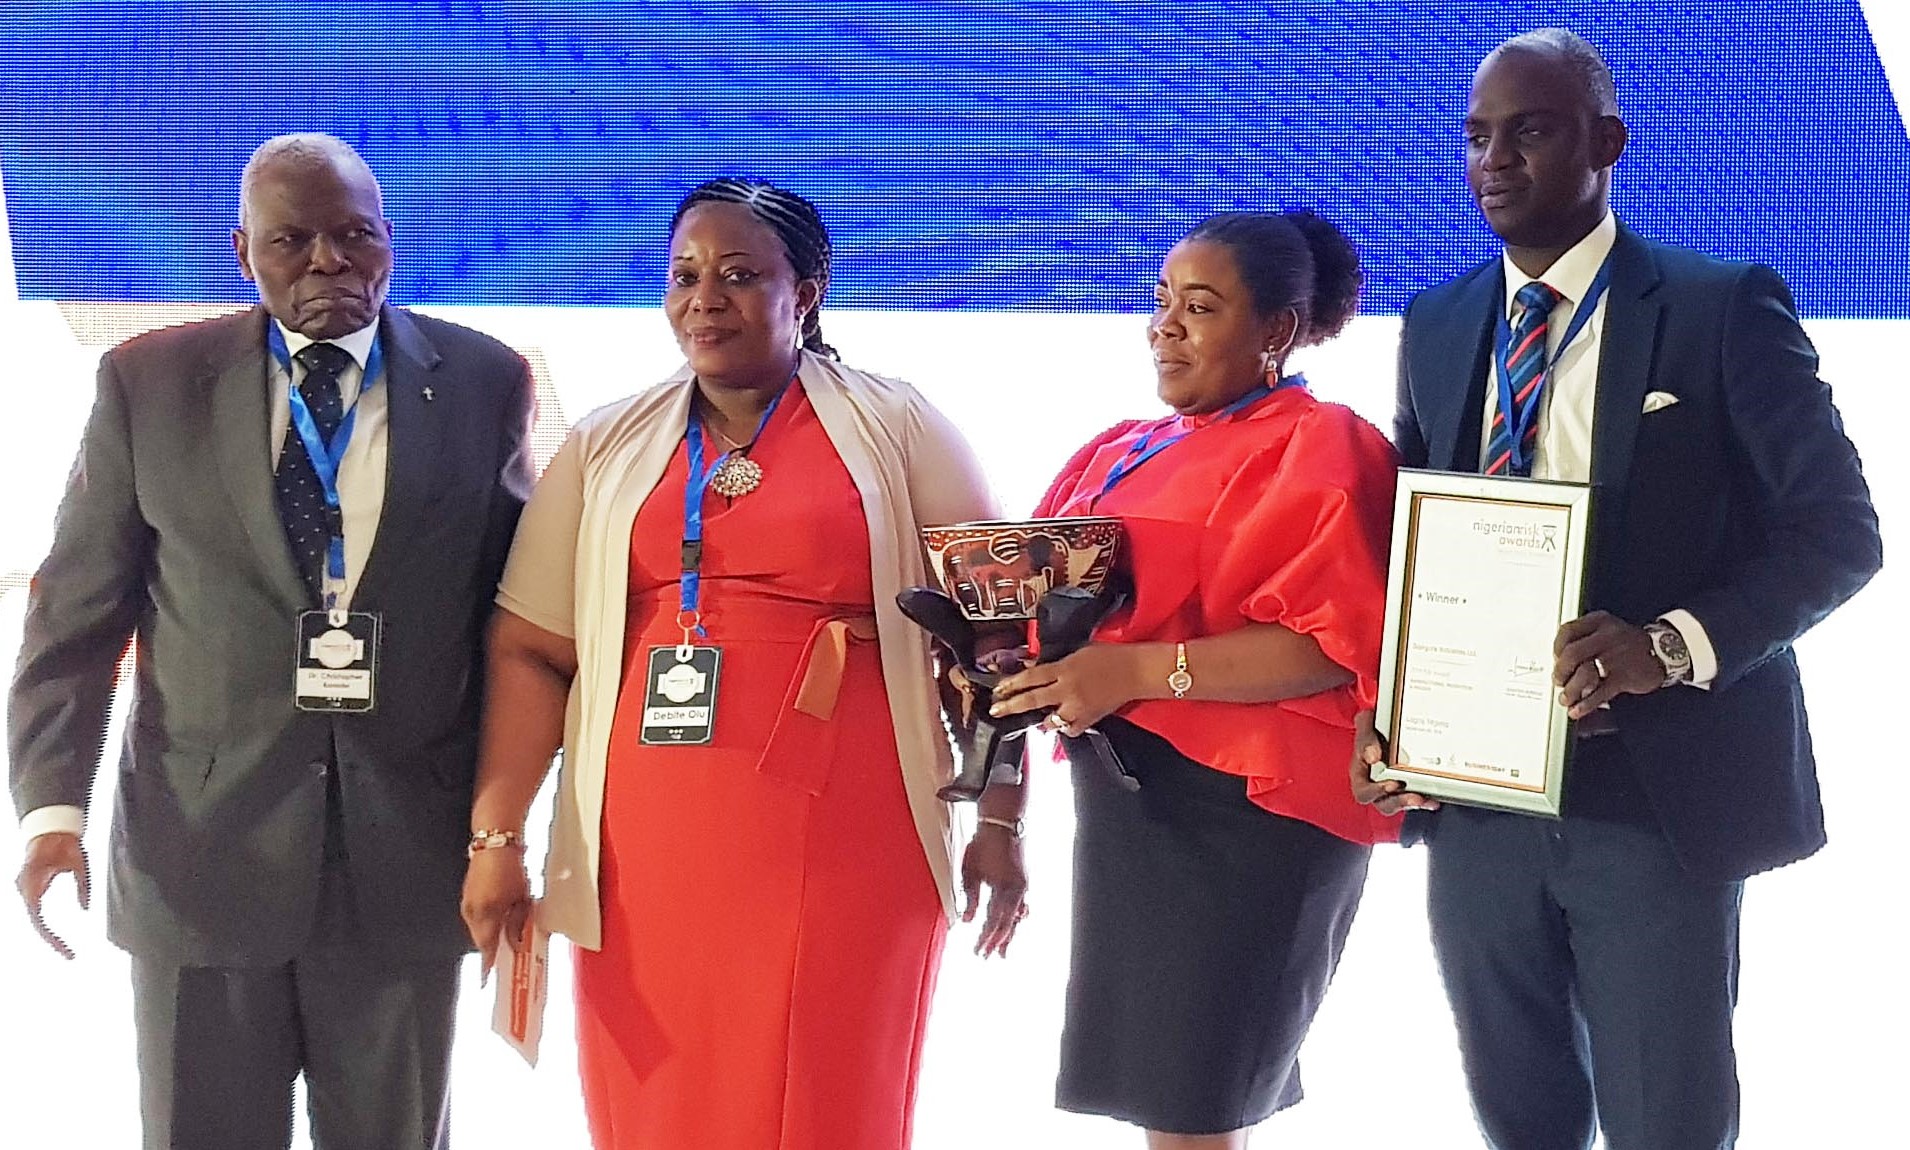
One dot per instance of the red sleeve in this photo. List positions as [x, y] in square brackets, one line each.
[1068, 482]
[1311, 528]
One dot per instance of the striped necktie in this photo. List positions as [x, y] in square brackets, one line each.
[1525, 369]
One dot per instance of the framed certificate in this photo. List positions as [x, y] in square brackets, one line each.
[1483, 573]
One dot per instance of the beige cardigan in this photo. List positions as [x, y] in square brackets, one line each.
[570, 561]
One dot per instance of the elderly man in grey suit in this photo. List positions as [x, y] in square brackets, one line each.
[297, 516]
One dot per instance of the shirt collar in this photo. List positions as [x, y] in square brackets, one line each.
[356, 343]
[1571, 275]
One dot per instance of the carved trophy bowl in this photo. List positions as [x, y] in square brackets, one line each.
[998, 570]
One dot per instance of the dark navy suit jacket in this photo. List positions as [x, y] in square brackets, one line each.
[1743, 503]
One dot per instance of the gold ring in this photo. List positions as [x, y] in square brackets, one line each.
[1053, 723]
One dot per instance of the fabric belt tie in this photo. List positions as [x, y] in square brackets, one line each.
[802, 745]
[819, 674]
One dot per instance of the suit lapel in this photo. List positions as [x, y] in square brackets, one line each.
[238, 399]
[1465, 368]
[414, 438]
[1628, 349]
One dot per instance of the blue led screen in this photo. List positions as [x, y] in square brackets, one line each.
[967, 155]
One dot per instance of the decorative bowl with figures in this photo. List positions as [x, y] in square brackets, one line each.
[999, 569]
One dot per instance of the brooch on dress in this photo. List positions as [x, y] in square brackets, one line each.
[738, 474]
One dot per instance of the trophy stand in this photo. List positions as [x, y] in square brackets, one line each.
[986, 747]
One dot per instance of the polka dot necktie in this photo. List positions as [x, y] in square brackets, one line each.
[309, 524]
[1525, 377]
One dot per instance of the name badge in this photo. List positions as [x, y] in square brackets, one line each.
[679, 696]
[336, 668]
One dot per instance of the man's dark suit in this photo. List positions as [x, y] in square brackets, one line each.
[232, 808]
[1743, 502]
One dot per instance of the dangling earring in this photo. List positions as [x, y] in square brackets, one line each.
[1270, 359]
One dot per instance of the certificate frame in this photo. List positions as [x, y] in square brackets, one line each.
[1535, 524]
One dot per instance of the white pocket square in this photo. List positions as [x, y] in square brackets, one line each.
[1658, 400]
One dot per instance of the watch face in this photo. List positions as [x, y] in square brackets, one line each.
[1672, 653]
[1179, 682]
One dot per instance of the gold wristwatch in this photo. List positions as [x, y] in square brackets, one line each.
[1180, 682]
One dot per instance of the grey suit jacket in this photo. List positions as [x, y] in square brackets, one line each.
[169, 534]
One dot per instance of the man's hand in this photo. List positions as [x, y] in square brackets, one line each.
[48, 857]
[993, 859]
[1600, 657]
[1369, 751]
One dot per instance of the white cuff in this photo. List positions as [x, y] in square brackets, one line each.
[1704, 657]
[52, 820]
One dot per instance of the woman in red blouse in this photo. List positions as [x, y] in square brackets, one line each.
[1212, 903]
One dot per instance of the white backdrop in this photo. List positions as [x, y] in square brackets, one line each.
[1820, 1022]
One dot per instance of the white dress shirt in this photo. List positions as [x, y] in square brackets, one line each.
[361, 491]
[1569, 399]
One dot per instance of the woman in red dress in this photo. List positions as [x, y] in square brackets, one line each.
[759, 896]
[1211, 904]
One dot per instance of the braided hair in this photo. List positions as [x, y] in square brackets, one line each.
[1292, 260]
[796, 222]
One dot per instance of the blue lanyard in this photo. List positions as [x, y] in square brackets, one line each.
[1145, 448]
[690, 587]
[1518, 420]
[326, 457]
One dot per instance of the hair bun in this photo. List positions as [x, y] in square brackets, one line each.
[1337, 277]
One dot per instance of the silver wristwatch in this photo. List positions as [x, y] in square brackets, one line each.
[1669, 646]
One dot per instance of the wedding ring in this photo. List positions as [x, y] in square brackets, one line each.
[1599, 666]
[1053, 723]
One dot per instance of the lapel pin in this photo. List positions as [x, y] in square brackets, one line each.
[429, 395]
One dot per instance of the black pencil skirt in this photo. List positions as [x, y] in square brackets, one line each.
[1206, 930]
